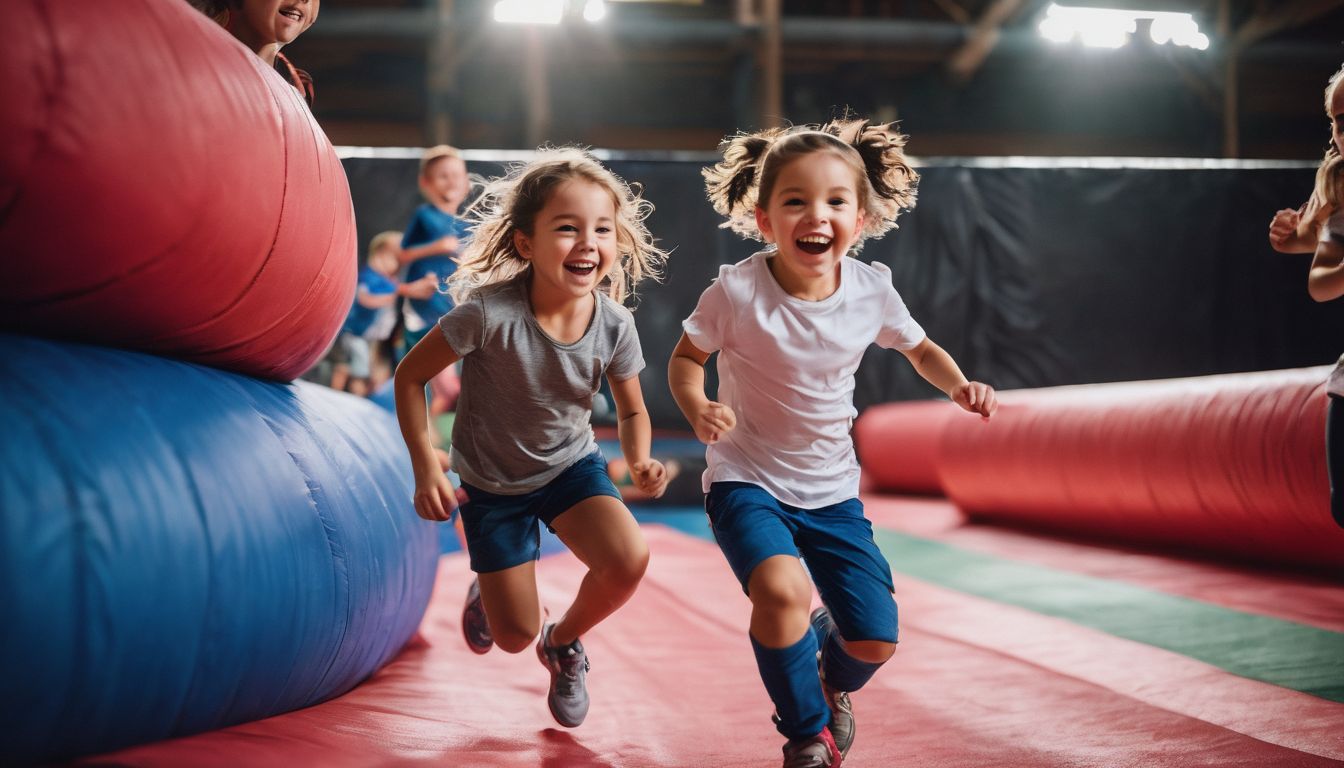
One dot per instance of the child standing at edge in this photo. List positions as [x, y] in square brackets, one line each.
[433, 237]
[790, 325]
[1318, 228]
[556, 247]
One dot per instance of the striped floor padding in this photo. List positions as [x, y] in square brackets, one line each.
[1014, 652]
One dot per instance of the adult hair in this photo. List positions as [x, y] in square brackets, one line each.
[751, 163]
[511, 204]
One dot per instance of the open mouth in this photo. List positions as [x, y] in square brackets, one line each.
[813, 244]
[292, 13]
[581, 268]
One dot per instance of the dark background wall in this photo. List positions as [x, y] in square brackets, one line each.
[1029, 276]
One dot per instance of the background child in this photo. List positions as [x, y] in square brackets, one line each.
[791, 324]
[369, 316]
[433, 237]
[266, 26]
[1318, 228]
[557, 246]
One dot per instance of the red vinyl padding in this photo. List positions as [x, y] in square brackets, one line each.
[1233, 464]
[162, 189]
[898, 445]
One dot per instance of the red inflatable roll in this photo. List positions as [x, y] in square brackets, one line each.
[163, 189]
[898, 445]
[1233, 464]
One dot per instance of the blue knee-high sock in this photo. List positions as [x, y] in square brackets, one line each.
[790, 677]
[841, 671]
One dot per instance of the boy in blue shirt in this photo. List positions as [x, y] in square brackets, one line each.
[433, 237]
[372, 316]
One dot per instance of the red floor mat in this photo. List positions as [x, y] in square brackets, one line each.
[674, 684]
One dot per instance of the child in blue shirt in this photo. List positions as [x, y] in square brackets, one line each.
[433, 238]
[371, 316]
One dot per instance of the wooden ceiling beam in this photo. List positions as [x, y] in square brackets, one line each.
[967, 59]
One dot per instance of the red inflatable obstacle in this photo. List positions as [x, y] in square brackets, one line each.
[1232, 464]
[162, 189]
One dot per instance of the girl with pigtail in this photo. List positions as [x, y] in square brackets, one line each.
[790, 325]
[556, 246]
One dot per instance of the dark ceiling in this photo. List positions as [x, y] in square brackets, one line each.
[964, 77]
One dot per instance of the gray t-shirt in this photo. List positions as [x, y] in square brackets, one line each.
[525, 411]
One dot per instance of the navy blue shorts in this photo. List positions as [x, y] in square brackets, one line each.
[502, 530]
[835, 541]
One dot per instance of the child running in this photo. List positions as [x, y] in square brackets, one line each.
[791, 324]
[556, 246]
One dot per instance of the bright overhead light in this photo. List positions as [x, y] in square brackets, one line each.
[529, 11]
[594, 10]
[1112, 27]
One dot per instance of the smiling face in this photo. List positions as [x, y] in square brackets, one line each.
[813, 216]
[444, 182]
[262, 23]
[572, 246]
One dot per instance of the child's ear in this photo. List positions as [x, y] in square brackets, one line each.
[858, 228]
[763, 224]
[522, 244]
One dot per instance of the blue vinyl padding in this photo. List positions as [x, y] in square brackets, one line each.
[183, 548]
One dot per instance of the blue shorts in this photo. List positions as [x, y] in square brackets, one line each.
[835, 541]
[502, 530]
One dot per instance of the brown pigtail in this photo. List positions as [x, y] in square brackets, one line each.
[731, 184]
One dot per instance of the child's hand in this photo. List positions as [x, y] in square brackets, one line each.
[976, 398]
[713, 422]
[434, 496]
[423, 288]
[448, 244]
[1283, 227]
[650, 477]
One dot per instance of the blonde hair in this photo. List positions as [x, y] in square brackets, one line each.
[511, 203]
[436, 153]
[1328, 174]
[383, 240]
[752, 162]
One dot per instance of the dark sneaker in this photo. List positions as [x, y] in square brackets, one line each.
[842, 712]
[817, 752]
[475, 627]
[568, 666]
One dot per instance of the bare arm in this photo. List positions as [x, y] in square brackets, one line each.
[434, 499]
[686, 379]
[636, 434]
[1283, 234]
[1326, 279]
[939, 369]
[447, 244]
[376, 300]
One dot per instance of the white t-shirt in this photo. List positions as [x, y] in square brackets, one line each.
[786, 368]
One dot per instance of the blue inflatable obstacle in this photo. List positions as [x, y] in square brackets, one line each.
[183, 549]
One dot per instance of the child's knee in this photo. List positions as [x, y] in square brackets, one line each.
[781, 593]
[870, 651]
[626, 571]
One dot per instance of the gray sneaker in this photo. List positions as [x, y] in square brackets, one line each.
[817, 752]
[568, 697]
[842, 712]
[475, 627]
